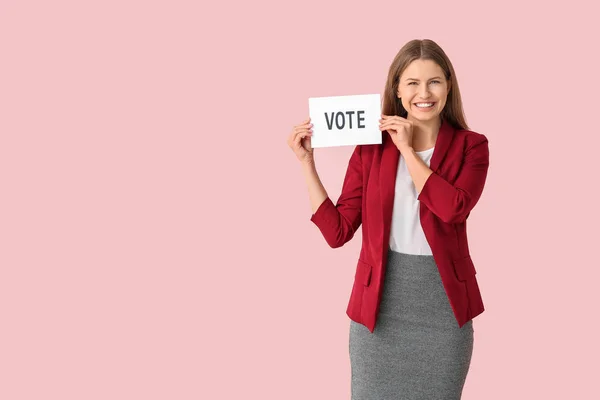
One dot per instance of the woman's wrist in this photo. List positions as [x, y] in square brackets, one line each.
[308, 162]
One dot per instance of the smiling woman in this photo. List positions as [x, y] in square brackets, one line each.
[421, 73]
[423, 94]
[415, 290]
[417, 350]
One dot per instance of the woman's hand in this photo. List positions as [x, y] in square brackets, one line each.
[299, 141]
[400, 129]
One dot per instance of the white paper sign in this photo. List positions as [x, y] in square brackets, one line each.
[345, 120]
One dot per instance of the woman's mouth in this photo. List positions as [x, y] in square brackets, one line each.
[425, 106]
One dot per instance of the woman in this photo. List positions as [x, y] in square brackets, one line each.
[415, 292]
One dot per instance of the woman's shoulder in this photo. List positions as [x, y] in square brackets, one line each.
[470, 137]
[368, 148]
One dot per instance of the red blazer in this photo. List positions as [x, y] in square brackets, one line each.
[459, 163]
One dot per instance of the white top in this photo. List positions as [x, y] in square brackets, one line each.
[406, 235]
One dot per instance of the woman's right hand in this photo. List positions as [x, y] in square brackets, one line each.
[299, 141]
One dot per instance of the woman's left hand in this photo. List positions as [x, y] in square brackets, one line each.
[400, 129]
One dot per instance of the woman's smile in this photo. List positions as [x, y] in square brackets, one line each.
[425, 106]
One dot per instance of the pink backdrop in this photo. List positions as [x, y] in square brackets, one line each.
[155, 240]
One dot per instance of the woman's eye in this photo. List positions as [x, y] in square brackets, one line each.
[429, 82]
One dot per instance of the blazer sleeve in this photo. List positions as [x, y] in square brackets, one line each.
[339, 222]
[453, 203]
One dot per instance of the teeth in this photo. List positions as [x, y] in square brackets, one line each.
[424, 105]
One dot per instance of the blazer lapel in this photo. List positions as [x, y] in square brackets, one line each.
[389, 167]
[442, 142]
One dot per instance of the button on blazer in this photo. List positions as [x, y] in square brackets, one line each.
[459, 163]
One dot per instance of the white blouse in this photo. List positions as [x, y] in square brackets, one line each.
[406, 235]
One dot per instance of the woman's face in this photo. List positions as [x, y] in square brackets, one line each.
[423, 81]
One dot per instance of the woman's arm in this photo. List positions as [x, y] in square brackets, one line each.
[339, 222]
[453, 203]
[419, 171]
[316, 191]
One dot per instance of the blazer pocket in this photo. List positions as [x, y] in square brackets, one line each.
[363, 273]
[464, 268]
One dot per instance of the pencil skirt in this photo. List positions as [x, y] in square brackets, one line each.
[416, 351]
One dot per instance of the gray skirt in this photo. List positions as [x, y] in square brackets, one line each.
[417, 351]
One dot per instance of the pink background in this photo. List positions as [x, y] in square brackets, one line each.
[155, 240]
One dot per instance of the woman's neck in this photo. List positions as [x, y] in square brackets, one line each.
[425, 133]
